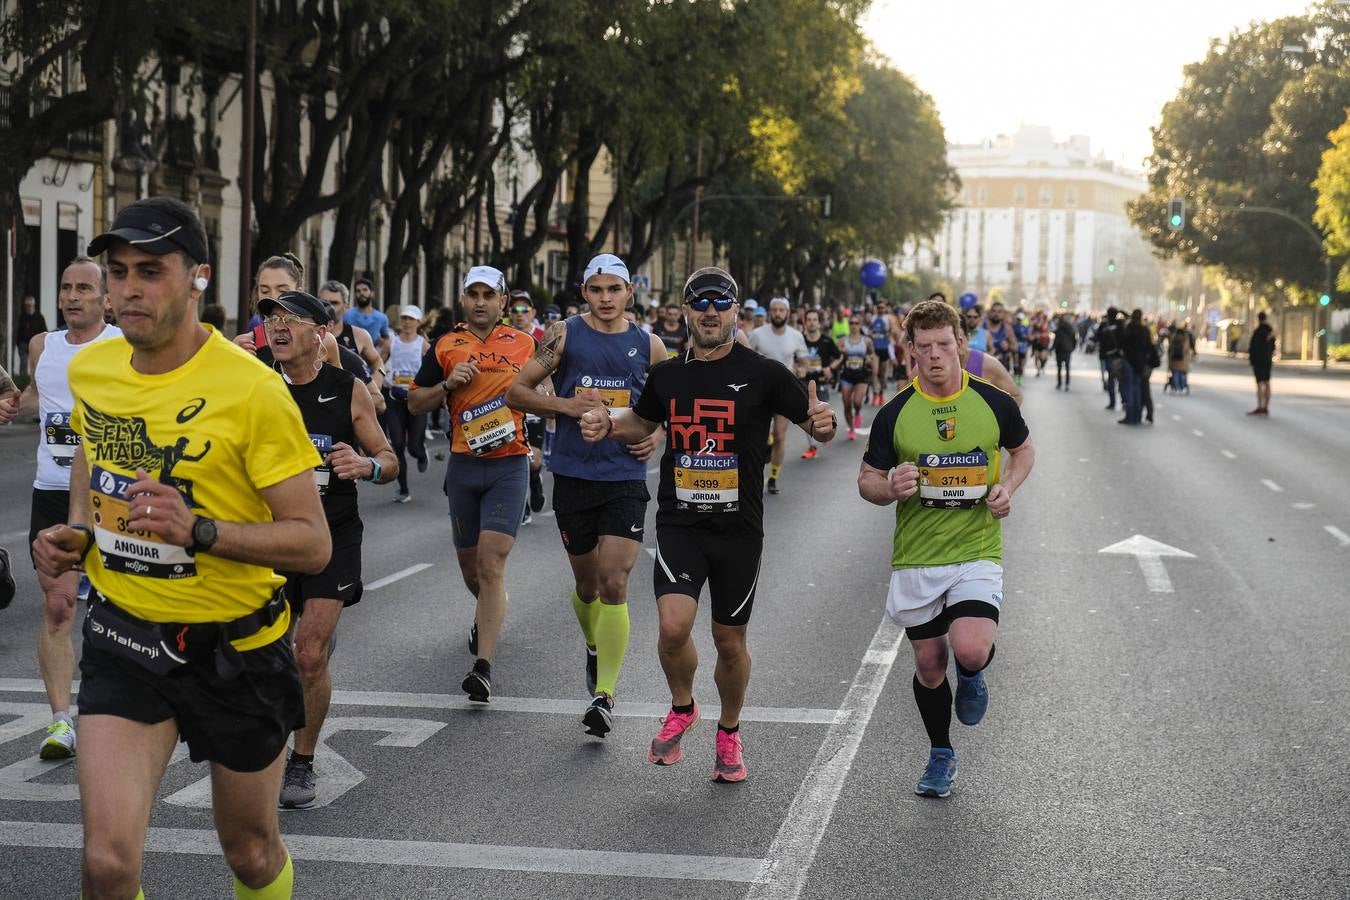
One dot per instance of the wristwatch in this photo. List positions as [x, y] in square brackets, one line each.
[204, 535]
[375, 470]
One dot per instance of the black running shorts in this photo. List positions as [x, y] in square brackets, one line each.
[340, 579]
[587, 509]
[688, 557]
[49, 508]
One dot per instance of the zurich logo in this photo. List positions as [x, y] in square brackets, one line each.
[586, 381]
[686, 461]
[934, 460]
[466, 416]
[107, 483]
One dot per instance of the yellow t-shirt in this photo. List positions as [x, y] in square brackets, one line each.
[220, 428]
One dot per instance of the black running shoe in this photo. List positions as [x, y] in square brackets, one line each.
[473, 639]
[536, 492]
[772, 486]
[599, 717]
[478, 685]
[592, 673]
[6, 579]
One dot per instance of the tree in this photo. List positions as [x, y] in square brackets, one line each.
[1333, 199]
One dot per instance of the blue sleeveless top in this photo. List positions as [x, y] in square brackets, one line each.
[616, 366]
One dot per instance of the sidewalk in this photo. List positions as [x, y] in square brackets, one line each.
[1283, 367]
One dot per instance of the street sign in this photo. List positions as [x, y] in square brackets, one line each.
[642, 283]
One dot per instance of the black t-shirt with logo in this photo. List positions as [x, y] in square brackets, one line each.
[820, 353]
[326, 406]
[717, 416]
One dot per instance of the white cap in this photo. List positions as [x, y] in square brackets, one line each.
[750, 305]
[780, 301]
[606, 264]
[411, 312]
[487, 275]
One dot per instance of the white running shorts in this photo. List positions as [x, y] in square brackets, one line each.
[918, 596]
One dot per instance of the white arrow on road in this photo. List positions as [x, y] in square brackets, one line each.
[1149, 553]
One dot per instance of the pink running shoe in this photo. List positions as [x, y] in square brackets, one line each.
[852, 435]
[728, 767]
[665, 749]
[857, 420]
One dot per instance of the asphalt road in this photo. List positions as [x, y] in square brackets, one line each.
[1159, 726]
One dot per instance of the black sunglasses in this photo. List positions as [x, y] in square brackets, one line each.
[701, 304]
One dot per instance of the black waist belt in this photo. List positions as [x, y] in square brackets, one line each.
[161, 647]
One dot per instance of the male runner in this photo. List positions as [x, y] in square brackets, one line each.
[344, 428]
[784, 344]
[600, 495]
[718, 402]
[353, 337]
[195, 480]
[9, 408]
[883, 328]
[536, 429]
[366, 316]
[82, 299]
[471, 369]
[672, 331]
[941, 438]
[822, 360]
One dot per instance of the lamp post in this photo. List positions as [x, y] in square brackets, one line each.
[246, 168]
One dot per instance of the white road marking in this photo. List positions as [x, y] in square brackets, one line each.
[1338, 535]
[13, 536]
[397, 576]
[1176, 418]
[1229, 454]
[652, 470]
[794, 848]
[427, 854]
[1272, 485]
[1197, 432]
[1304, 505]
[1149, 553]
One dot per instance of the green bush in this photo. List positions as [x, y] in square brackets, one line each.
[1339, 352]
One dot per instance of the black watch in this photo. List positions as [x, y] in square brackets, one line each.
[204, 535]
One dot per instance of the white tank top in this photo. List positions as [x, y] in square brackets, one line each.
[56, 441]
[405, 358]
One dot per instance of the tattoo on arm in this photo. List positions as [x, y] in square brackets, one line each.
[7, 385]
[549, 351]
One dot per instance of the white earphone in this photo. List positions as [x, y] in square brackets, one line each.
[200, 283]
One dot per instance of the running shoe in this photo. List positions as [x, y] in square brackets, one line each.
[473, 639]
[938, 774]
[423, 462]
[403, 497]
[857, 420]
[727, 767]
[665, 749]
[852, 435]
[297, 785]
[599, 717]
[6, 580]
[592, 670]
[526, 517]
[772, 486]
[972, 698]
[811, 453]
[477, 684]
[60, 741]
[536, 492]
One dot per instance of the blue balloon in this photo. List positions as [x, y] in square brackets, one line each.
[968, 301]
[873, 274]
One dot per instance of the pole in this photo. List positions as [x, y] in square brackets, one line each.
[1324, 314]
[693, 230]
[10, 238]
[246, 166]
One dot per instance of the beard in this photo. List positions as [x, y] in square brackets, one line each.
[711, 342]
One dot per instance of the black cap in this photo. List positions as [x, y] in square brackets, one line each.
[552, 310]
[299, 303]
[711, 280]
[155, 227]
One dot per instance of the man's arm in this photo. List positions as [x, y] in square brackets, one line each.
[524, 394]
[349, 464]
[365, 348]
[1020, 461]
[28, 400]
[658, 351]
[884, 488]
[9, 398]
[624, 426]
[997, 374]
[425, 399]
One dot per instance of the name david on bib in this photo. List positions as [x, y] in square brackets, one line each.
[953, 480]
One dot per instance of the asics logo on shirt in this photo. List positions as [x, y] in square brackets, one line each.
[737, 387]
[323, 399]
[633, 352]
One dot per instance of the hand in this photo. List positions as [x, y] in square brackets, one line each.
[643, 449]
[161, 509]
[820, 414]
[583, 401]
[246, 341]
[58, 550]
[9, 408]
[461, 374]
[347, 463]
[999, 501]
[594, 425]
[904, 481]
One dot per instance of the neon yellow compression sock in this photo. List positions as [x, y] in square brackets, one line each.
[280, 888]
[611, 644]
[586, 611]
[774, 470]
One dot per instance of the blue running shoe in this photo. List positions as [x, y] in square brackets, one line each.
[939, 774]
[972, 698]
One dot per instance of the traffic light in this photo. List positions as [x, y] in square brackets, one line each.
[1110, 265]
[1324, 300]
[1176, 213]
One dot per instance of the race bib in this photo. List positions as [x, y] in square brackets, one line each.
[403, 380]
[953, 480]
[488, 426]
[709, 482]
[123, 550]
[614, 392]
[854, 363]
[322, 472]
[60, 439]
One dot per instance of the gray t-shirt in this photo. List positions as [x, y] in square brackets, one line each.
[783, 348]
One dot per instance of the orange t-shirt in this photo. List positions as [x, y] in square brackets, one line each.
[481, 422]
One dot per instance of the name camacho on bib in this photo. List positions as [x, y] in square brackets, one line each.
[953, 480]
[614, 392]
[488, 426]
[60, 438]
[324, 444]
[125, 550]
[708, 482]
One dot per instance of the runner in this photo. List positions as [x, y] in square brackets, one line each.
[487, 478]
[522, 315]
[881, 327]
[820, 365]
[983, 365]
[353, 337]
[366, 315]
[839, 327]
[672, 331]
[195, 480]
[784, 344]
[859, 362]
[1040, 339]
[537, 428]
[407, 430]
[82, 299]
[340, 420]
[599, 493]
[718, 401]
[942, 437]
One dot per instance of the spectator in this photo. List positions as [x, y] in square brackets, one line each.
[1180, 352]
[1261, 354]
[1108, 338]
[1065, 340]
[1135, 342]
[30, 323]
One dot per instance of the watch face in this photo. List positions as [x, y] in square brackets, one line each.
[204, 532]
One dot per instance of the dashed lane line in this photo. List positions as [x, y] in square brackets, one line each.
[1229, 454]
[1338, 535]
[397, 576]
[1197, 432]
[1272, 485]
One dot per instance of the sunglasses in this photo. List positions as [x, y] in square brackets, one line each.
[520, 309]
[701, 304]
[552, 315]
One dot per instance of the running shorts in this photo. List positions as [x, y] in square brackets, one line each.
[587, 509]
[1261, 370]
[49, 508]
[927, 596]
[486, 495]
[340, 579]
[688, 557]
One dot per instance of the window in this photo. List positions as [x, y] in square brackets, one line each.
[1047, 195]
[1019, 196]
[1070, 196]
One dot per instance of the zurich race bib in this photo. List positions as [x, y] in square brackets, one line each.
[953, 480]
[60, 439]
[123, 550]
[322, 472]
[488, 426]
[707, 481]
[614, 392]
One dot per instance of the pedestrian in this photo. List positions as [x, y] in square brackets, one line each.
[1065, 340]
[1261, 355]
[1135, 342]
[30, 324]
[946, 586]
[718, 401]
[1108, 338]
[1180, 353]
[195, 480]
[596, 360]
